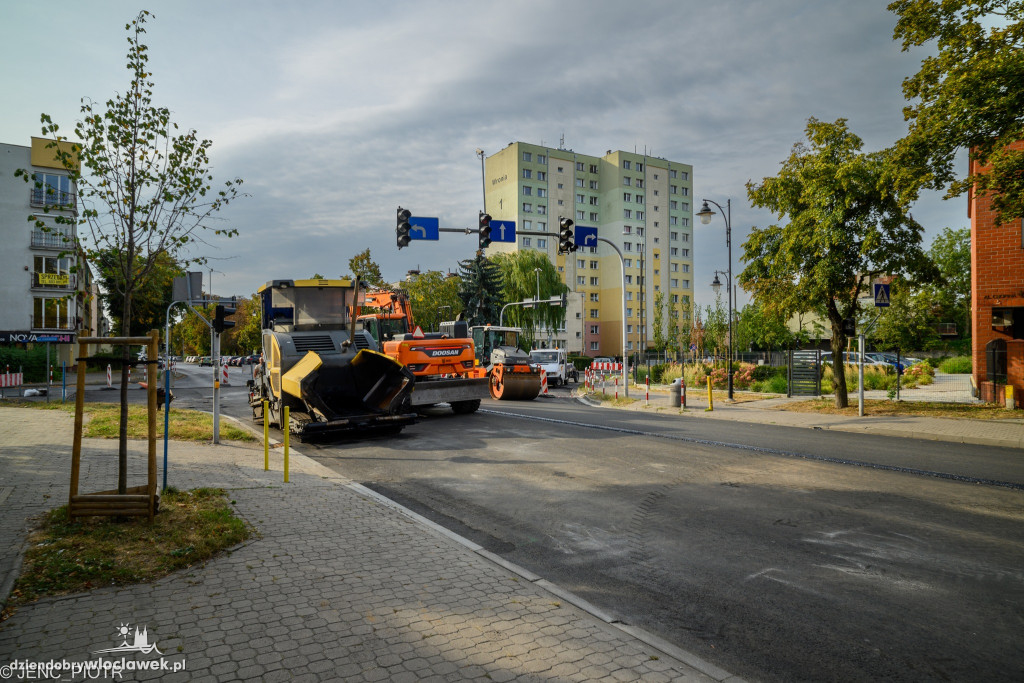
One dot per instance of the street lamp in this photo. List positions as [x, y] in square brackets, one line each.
[705, 215]
[483, 181]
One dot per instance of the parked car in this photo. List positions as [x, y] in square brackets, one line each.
[852, 358]
[205, 361]
[556, 364]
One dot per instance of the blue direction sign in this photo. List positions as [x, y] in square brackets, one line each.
[585, 237]
[423, 228]
[881, 296]
[503, 231]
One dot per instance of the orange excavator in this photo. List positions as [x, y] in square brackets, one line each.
[444, 363]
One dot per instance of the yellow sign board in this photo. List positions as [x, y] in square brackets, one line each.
[53, 278]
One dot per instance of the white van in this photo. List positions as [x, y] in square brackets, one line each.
[555, 363]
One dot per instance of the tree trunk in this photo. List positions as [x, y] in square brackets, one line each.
[839, 365]
[122, 433]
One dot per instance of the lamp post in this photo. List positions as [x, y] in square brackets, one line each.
[483, 181]
[705, 215]
[536, 272]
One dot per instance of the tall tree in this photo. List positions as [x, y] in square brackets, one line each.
[951, 252]
[480, 290]
[519, 278]
[145, 190]
[660, 341]
[363, 266]
[435, 298]
[966, 97]
[247, 334]
[909, 322]
[845, 227]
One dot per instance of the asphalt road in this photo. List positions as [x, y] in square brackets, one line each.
[779, 554]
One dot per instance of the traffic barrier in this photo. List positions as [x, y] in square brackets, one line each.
[224, 376]
[11, 379]
[544, 382]
[616, 387]
[647, 392]
[606, 366]
[110, 378]
[711, 399]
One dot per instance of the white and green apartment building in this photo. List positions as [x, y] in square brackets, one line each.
[642, 204]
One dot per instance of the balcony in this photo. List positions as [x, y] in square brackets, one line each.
[53, 323]
[47, 196]
[52, 240]
[64, 281]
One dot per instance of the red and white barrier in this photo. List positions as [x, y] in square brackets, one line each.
[616, 387]
[224, 376]
[110, 379]
[606, 366]
[647, 392]
[11, 379]
[543, 382]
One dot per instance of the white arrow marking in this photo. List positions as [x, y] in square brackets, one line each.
[423, 231]
[502, 228]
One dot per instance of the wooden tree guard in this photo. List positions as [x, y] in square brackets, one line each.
[137, 500]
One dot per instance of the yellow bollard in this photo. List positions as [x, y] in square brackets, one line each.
[285, 425]
[266, 436]
[711, 400]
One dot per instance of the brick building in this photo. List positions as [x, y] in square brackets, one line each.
[997, 308]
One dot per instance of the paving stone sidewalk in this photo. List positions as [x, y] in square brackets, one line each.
[339, 585]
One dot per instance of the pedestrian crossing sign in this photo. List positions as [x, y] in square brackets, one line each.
[881, 296]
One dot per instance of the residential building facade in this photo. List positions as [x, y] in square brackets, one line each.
[641, 204]
[997, 299]
[47, 289]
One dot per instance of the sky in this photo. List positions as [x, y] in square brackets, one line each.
[335, 113]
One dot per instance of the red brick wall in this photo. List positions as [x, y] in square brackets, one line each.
[997, 280]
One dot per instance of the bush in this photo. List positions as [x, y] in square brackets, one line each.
[764, 372]
[30, 361]
[776, 384]
[958, 365]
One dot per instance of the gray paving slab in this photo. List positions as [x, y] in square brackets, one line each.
[338, 584]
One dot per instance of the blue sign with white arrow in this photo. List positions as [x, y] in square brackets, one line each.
[585, 237]
[503, 231]
[423, 228]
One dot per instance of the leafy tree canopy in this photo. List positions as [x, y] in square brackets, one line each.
[967, 96]
[845, 226]
[435, 298]
[363, 266]
[520, 278]
[152, 293]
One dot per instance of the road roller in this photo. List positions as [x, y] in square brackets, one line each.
[511, 376]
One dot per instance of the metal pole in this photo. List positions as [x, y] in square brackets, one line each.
[728, 244]
[483, 178]
[216, 387]
[860, 387]
[625, 363]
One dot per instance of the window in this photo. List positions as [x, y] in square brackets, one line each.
[593, 313]
[639, 215]
[675, 282]
[626, 181]
[526, 225]
[656, 239]
[655, 177]
[675, 298]
[627, 213]
[626, 165]
[527, 173]
[527, 190]
[560, 186]
[685, 191]
[56, 189]
[593, 201]
[594, 329]
[639, 182]
[542, 209]
[686, 237]
[675, 267]
[627, 197]
[542, 226]
[672, 173]
[561, 203]
[593, 345]
[579, 182]
[580, 199]
[542, 159]
[686, 267]
[629, 312]
[673, 220]
[629, 296]
[673, 189]
[593, 265]
[673, 205]
[685, 222]
[628, 262]
[629, 329]
[628, 246]
[674, 236]
[542, 175]
[542, 243]
[639, 167]
[639, 231]
[639, 199]
[581, 215]
[580, 263]
[593, 282]
[686, 284]
[561, 170]
[579, 165]
[541, 192]
[686, 252]
[684, 175]
[527, 156]
[593, 296]
[526, 241]
[657, 255]
[593, 184]
[581, 280]
[593, 168]
[686, 206]
[527, 208]
[51, 313]
[674, 251]
[629, 279]
[627, 229]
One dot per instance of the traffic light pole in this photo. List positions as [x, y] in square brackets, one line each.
[625, 358]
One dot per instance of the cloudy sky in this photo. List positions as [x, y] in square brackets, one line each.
[335, 113]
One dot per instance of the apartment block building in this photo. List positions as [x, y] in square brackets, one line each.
[641, 204]
[47, 290]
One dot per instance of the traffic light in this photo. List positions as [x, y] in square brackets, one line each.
[849, 327]
[565, 241]
[484, 232]
[219, 322]
[402, 228]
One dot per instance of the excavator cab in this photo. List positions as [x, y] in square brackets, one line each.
[384, 327]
